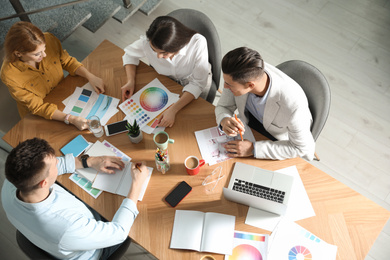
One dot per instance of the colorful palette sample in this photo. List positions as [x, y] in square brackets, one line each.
[299, 253]
[249, 246]
[85, 185]
[153, 99]
[81, 103]
[147, 103]
[134, 111]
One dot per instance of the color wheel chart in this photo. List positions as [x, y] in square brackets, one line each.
[299, 253]
[147, 103]
[248, 246]
[290, 241]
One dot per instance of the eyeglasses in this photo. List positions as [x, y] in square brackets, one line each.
[214, 177]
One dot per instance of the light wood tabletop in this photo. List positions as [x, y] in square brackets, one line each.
[343, 217]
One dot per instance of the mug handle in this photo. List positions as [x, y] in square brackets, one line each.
[201, 162]
[171, 141]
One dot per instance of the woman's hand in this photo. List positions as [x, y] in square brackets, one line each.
[127, 90]
[168, 118]
[97, 83]
[79, 122]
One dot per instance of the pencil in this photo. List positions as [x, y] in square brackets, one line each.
[242, 139]
[137, 165]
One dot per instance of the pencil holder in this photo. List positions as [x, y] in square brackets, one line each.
[162, 160]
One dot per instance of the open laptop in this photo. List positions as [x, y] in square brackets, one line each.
[259, 188]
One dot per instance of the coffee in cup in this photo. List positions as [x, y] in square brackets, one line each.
[193, 164]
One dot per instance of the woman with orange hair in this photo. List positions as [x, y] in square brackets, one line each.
[33, 67]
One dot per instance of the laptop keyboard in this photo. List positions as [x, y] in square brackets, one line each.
[258, 191]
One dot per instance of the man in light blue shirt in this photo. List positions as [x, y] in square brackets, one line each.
[51, 217]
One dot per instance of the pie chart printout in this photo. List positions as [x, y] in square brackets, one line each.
[299, 253]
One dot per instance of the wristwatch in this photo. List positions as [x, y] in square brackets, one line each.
[84, 158]
[66, 120]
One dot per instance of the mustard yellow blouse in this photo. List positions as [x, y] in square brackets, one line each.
[29, 85]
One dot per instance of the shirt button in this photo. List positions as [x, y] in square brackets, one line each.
[55, 62]
[48, 80]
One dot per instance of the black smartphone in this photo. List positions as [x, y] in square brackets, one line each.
[178, 193]
[116, 128]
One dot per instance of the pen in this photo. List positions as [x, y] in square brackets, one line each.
[242, 139]
[137, 165]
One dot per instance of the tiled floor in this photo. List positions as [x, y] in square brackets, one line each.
[347, 40]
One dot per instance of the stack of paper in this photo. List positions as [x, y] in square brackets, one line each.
[291, 241]
[85, 102]
[212, 140]
[117, 183]
[147, 105]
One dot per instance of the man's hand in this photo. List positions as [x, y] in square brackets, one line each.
[107, 164]
[127, 90]
[239, 148]
[231, 126]
[139, 174]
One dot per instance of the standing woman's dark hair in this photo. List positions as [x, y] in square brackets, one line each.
[23, 37]
[168, 34]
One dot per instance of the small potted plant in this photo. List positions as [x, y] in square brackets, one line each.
[135, 134]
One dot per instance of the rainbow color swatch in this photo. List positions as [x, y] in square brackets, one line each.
[81, 103]
[153, 99]
[147, 103]
[245, 252]
[248, 246]
[299, 253]
[135, 112]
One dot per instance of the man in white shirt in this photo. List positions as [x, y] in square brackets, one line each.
[51, 217]
[268, 101]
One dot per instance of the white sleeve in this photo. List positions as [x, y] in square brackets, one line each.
[134, 52]
[198, 78]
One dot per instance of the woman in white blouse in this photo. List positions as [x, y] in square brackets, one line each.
[173, 50]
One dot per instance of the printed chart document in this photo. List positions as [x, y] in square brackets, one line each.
[119, 182]
[249, 246]
[147, 103]
[85, 102]
[291, 241]
[204, 232]
[212, 140]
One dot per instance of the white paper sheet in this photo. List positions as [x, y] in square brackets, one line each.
[148, 102]
[211, 141]
[291, 241]
[85, 103]
[299, 206]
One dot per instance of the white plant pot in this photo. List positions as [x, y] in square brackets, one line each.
[136, 139]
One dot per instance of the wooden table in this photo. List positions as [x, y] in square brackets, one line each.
[343, 217]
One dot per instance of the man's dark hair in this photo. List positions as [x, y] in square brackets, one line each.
[25, 163]
[168, 34]
[243, 65]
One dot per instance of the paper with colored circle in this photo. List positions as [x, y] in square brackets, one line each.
[249, 246]
[148, 103]
[290, 241]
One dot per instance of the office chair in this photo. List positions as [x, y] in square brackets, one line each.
[199, 22]
[35, 253]
[316, 88]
